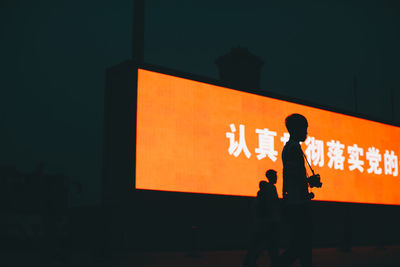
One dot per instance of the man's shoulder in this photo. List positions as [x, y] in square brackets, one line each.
[291, 147]
[290, 144]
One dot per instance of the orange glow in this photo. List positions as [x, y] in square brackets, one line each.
[182, 143]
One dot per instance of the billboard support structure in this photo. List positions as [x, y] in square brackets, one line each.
[355, 93]
[138, 31]
[392, 103]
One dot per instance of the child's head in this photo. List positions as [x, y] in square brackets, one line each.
[297, 126]
[271, 176]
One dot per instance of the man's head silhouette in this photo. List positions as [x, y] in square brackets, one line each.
[297, 126]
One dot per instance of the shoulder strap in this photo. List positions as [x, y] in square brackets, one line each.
[307, 162]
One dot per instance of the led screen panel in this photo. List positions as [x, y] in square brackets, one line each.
[201, 138]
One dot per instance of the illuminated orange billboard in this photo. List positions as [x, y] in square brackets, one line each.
[201, 138]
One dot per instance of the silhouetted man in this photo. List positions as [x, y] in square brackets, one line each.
[266, 215]
[295, 194]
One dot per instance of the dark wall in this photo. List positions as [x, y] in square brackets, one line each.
[180, 221]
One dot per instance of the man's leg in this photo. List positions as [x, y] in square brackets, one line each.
[297, 219]
[306, 252]
[306, 238]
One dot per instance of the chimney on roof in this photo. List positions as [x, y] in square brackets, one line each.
[240, 69]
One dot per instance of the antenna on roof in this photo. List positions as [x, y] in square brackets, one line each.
[138, 31]
[355, 93]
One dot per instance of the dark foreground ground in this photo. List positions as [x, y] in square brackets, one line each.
[360, 256]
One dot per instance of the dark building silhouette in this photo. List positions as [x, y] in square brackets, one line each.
[240, 69]
[30, 204]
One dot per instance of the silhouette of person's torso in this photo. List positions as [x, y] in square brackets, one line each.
[295, 187]
[266, 203]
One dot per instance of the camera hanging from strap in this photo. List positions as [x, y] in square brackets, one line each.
[314, 180]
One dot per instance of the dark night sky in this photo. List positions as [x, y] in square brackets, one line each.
[54, 56]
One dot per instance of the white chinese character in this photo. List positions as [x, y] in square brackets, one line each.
[335, 154]
[315, 151]
[285, 138]
[355, 163]
[266, 144]
[374, 158]
[236, 147]
[391, 163]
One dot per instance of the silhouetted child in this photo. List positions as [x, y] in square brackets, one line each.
[266, 225]
[295, 194]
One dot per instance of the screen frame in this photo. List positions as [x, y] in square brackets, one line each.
[208, 80]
